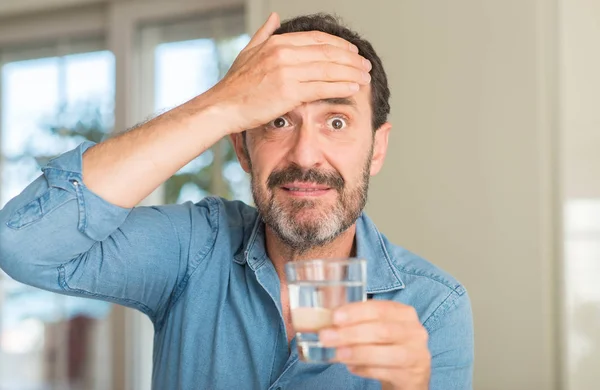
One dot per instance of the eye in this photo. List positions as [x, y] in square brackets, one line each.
[336, 123]
[278, 123]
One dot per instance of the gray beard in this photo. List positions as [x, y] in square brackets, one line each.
[301, 237]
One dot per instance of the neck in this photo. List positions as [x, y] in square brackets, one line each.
[280, 253]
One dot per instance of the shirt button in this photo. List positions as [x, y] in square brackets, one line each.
[74, 182]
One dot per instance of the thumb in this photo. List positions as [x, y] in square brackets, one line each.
[265, 31]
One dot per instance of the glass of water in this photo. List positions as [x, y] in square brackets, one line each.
[317, 288]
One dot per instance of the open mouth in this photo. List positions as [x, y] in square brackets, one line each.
[305, 189]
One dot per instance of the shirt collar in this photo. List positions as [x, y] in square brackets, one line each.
[382, 275]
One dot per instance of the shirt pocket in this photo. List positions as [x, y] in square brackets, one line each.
[50, 200]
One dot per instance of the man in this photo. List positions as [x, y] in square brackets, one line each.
[309, 123]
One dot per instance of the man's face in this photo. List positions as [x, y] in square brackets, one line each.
[310, 168]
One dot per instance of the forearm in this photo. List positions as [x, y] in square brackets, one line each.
[125, 169]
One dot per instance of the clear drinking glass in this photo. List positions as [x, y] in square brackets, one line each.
[316, 288]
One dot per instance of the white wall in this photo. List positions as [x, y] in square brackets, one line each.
[580, 124]
[469, 181]
[580, 96]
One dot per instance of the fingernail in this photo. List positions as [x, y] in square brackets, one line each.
[339, 317]
[354, 87]
[367, 64]
[343, 353]
[354, 48]
[366, 77]
[328, 336]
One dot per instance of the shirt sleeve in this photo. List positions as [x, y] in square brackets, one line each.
[59, 236]
[451, 343]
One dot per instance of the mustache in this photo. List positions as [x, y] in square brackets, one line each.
[332, 179]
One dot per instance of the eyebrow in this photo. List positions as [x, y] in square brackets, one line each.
[339, 102]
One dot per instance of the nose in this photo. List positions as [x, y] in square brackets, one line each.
[306, 151]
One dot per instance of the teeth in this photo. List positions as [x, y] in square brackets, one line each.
[304, 189]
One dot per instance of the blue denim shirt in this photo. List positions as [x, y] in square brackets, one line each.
[201, 273]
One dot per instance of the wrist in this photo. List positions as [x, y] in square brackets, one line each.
[224, 116]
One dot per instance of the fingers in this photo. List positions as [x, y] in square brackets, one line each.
[322, 53]
[374, 310]
[305, 38]
[373, 333]
[389, 356]
[265, 31]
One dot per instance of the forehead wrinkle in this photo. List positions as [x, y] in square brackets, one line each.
[338, 102]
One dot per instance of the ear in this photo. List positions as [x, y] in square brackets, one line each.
[237, 140]
[380, 145]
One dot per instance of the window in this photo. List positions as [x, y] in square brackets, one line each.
[187, 58]
[582, 300]
[50, 104]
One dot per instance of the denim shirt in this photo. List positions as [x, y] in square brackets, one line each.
[202, 275]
